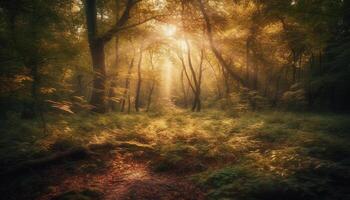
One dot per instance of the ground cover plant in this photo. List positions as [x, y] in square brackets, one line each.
[267, 155]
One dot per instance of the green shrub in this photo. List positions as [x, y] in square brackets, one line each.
[64, 144]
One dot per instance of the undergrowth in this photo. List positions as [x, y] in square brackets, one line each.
[264, 155]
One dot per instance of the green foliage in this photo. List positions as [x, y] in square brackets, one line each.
[276, 155]
[295, 98]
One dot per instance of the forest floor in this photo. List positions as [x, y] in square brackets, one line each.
[181, 155]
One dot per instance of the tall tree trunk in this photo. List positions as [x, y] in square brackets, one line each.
[196, 101]
[267, 83]
[276, 97]
[300, 67]
[199, 103]
[138, 86]
[31, 109]
[294, 66]
[126, 93]
[196, 106]
[98, 58]
[98, 98]
[112, 94]
[113, 85]
[286, 74]
[97, 43]
[149, 100]
[320, 61]
[192, 86]
[226, 82]
[129, 104]
[247, 59]
[256, 76]
[183, 89]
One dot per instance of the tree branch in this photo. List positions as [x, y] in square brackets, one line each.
[110, 33]
[120, 24]
[216, 52]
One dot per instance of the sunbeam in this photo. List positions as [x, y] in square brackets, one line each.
[169, 30]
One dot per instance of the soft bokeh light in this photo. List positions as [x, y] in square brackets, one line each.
[169, 30]
[167, 77]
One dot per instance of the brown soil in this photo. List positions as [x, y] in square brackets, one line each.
[125, 178]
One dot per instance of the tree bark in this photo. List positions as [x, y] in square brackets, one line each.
[98, 98]
[183, 89]
[194, 86]
[96, 44]
[126, 93]
[98, 58]
[138, 86]
[149, 100]
[294, 66]
[197, 88]
[112, 94]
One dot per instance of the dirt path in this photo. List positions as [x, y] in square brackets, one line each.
[125, 178]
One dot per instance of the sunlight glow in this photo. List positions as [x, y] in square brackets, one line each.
[167, 78]
[169, 30]
[182, 44]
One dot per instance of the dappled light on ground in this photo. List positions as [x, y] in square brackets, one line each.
[184, 155]
[123, 178]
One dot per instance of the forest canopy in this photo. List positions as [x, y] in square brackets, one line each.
[104, 55]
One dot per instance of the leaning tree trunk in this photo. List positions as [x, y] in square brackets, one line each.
[215, 50]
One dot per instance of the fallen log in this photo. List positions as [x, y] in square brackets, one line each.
[77, 153]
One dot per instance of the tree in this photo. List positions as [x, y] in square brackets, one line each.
[139, 80]
[97, 44]
[218, 55]
[35, 37]
[126, 94]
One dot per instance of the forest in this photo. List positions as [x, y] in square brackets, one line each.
[174, 99]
